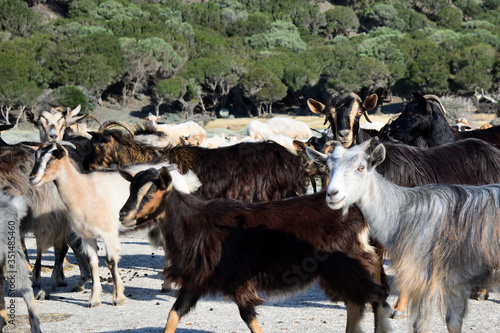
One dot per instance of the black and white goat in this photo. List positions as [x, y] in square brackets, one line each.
[443, 239]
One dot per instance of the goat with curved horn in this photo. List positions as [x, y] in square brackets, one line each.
[111, 123]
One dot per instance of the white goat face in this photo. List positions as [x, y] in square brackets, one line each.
[348, 170]
[347, 167]
[45, 169]
[51, 126]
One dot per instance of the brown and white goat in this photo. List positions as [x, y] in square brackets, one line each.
[94, 200]
[238, 249]
[47, 216]
[53, 124]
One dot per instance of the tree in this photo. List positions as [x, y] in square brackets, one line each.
[169, 90]
[150, 59]
[18, 19]
[427, 69]
[217, 75]
[17, 71]
[473, 67]
[341, 21]
[272, 91]
[450, 18]
[280, 34]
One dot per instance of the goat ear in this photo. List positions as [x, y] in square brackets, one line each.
[61, 151]
[126, 174]
[165, 178]
[370, 102]
[299, 145]
[31, 118]
[316, 156]
[376, 157]
[422, 101]
[315, 106]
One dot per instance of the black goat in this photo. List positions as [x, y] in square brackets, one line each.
[423, 124]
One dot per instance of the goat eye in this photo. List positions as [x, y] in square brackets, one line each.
[361, 168]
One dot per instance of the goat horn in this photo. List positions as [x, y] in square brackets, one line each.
[67, 143]
[435, 99]
[366, 116]
[111, 123]
[94, 119]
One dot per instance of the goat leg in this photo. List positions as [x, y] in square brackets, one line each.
[90, 247]
[83, 262]
[184, 302]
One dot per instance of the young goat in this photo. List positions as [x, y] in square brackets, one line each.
[94, 201]
[12, 260]
[47, 217]
[237, 249]
[443, 239]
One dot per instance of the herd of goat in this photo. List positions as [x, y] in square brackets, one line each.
[234, 216]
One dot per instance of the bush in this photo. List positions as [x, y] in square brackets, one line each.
[71, 97]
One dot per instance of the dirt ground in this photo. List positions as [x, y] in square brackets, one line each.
[146, 308]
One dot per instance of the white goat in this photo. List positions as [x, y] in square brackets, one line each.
[94, 200]
[292, 128]
[12, 261]
[443, 239]
[258, 130]
[176, 131]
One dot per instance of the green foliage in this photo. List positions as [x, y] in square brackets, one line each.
[81, 8]
[95, 62]
[256, 23]
[71, 96]
[446, 39]
[481, 36]
[426, 67]
[18, 71]
[112, 10]
[450, 18]
[472, 67]
[18, 19]
[382, 15]
[341, 21]
[171, 89]
[280, 34]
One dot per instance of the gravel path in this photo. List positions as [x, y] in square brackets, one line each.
[146, 308]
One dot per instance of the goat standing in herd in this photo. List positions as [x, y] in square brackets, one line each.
[443, 239]
[237, 249]
[93, 200]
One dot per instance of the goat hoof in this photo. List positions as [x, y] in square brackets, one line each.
[42, 295]
[482, 297]
[119, 301]
[62, 284]
[94, 304]
[78, 288]
[398, 314]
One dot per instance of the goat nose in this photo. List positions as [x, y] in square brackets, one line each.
[332, 193]
[122, 215]
[344, 133]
